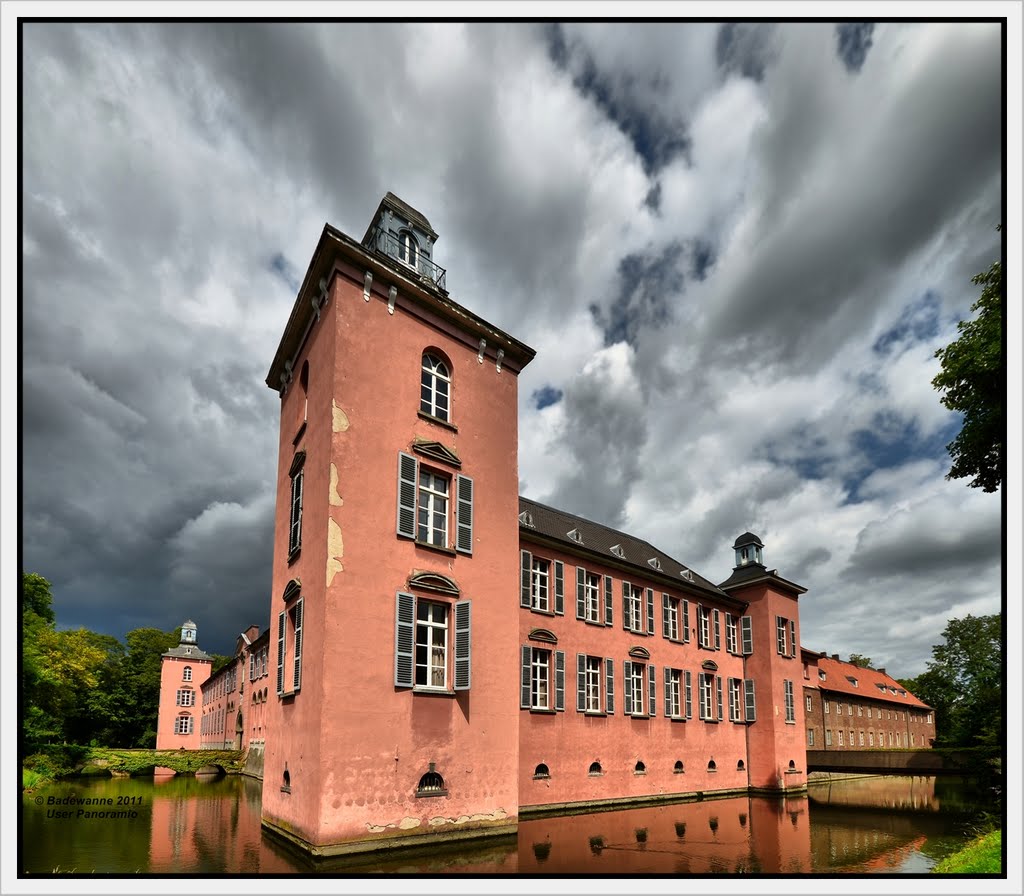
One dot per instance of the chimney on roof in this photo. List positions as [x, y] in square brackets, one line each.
[881, 669]
[835, 656]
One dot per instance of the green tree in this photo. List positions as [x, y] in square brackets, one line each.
[861, 662]
[963, 682]
[136, 690]
[973, 382]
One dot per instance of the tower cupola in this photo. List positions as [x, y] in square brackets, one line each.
[748, 549]
[403, 234]
[188, 632]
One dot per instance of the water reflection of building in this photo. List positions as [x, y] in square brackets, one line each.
[413, 697]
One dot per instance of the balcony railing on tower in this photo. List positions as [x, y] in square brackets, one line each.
[387, 243]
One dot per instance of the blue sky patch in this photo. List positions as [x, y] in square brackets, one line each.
[646, 287]
[546, 396]
[283, 268]
[918, 322]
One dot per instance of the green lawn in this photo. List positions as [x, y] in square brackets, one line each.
[981, 856]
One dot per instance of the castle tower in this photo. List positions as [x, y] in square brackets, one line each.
[396, 529]
[183, 670]
[776, 743]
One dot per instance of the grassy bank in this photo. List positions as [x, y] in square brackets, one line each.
[981, 856]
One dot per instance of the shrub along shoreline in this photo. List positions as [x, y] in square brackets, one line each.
[983, 855]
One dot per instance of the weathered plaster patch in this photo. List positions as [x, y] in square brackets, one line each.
[335, 550]
[408, 822]
[340, 422]
[333, 495]
[497, 815]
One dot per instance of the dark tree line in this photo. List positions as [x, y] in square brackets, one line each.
[81, 687]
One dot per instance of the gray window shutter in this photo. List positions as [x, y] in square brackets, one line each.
[792, 637]
[464, 515]
[297, 662]
[280, 653]
[652, 691]
[581, 682]
[607, 600]
[406, 526]
[747, 635]
[668, 692]
[686, 621]
[463, 645]
[295, 523]
[526, 571]
[627, 691]
[405, 630]
[718, 630]
[560, 680]
[665, 610]
[650, 612]
[609, 686]
[751, 708]
[581, 584]
[689, 694]
[559, 587]
[627, 593]
[524, 680]
[718, 696]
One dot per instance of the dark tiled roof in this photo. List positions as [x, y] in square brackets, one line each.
[748, 538]
[192, 653]
[404, 210]
[755, 572]
[872, 684]
[599, 540]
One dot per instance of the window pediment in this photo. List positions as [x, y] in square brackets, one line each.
[640, 653]
[292, 589]
[542, 635]
[437, 451]
[297, 462]
[710, 665]
[434, 581]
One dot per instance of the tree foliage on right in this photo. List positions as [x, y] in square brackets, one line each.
[963, 682]
[973, 382]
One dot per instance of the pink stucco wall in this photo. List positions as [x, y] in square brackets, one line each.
[172, 678]
[355, 745]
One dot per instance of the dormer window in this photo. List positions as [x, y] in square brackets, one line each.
[575, 535]
[616, 549]
[408, 249]
[654, 563]
[526, 519]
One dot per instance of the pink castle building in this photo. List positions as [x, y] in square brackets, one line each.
[445, 657]
[183, 671]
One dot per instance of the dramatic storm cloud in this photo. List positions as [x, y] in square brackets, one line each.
[735, 248]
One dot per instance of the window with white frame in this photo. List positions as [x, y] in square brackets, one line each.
[295, 512]
[632, 608]
[186, 697]
[639, 689]
[435, 387]
[785, 636]
[289, 649]
[542, 585]
[787, 687]
[183, 724]
[673, 694]
[810, 737]
[731, 643]
[825, 704]
[426, 502]
[408, 249]
[807, 703]
[840, 733]
[424, 656]
[861, 737]
[542, 679]
[703, 626]
[588, 598]
[593, 684]
[706, 691]
[828, 737]
[670, 627]
[735, 700]
[186, 673]
[871, 738]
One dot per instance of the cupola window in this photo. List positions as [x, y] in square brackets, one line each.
[408, 249]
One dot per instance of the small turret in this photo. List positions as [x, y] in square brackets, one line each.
[748, 549]
[188, 632]
[405, 235]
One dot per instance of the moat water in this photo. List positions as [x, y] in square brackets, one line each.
[876, 825]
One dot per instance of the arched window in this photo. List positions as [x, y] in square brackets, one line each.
[286, 781]
[186, 673]
[595, 768]
[639, 768]
[740, 766]
[678, 767]
[435, 387]
[712, 766]
[431, 784]
[541, 771]
[408, 249]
